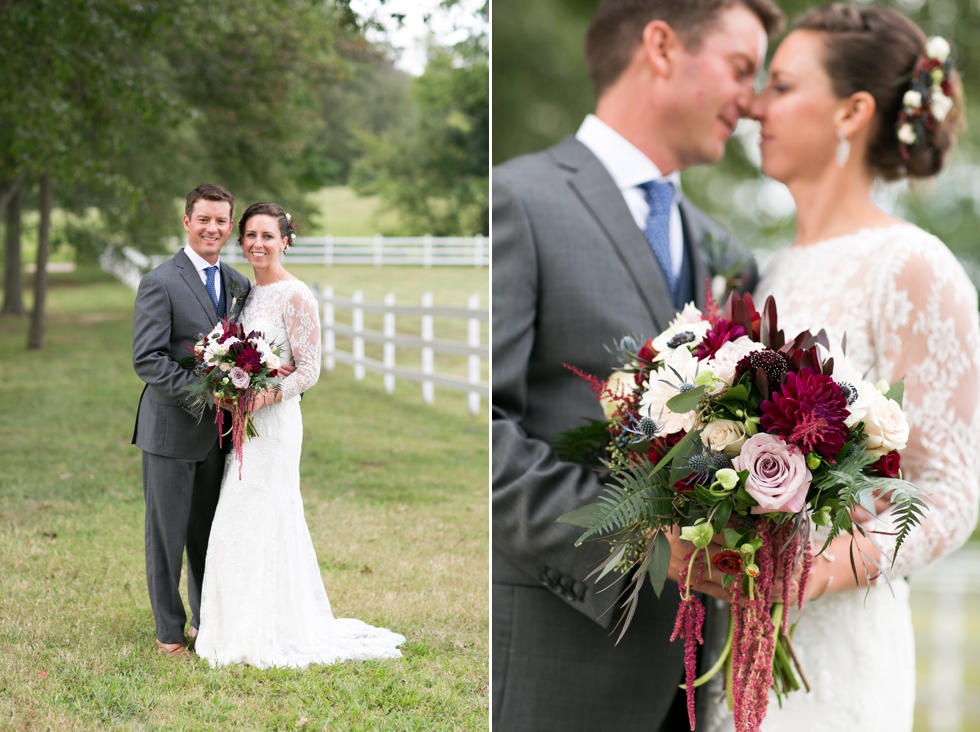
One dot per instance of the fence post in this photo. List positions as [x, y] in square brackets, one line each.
[473, 360]
[428, 360]
[328, 251]
[329, 337]
[478, 250]
[427, 251]
[389, 346]
[357, 323]
[378, 244]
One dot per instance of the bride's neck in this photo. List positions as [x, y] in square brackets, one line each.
[835, 204]
[268, 276]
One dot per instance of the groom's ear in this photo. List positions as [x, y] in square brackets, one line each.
[855, 113]
[660, 47]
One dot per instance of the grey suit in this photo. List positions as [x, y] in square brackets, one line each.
[182, 461]
[572, 273]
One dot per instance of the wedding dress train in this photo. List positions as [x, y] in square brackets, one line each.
[263, 602]
[908, 311]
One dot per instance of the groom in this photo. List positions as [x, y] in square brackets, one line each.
[177, 302]
[592, 240]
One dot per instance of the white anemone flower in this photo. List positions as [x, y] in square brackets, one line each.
[939, 104]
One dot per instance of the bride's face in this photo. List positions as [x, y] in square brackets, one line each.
[262, 242]
[797, 110]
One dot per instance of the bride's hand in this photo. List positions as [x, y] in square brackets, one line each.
[680, 550]
[285, 370]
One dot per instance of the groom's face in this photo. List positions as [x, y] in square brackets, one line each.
[208, 227]
[714, 86]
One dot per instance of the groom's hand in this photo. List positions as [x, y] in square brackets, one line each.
[680, 553]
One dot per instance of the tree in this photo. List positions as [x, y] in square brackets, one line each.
[434, 170]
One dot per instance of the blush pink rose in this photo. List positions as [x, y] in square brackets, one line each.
[778, 475]
[239, 377]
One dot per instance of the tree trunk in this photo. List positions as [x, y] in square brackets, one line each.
[13, 267]
[9, 190]
[35, 339]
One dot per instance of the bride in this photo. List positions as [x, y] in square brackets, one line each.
[263, 601]
[844, 106]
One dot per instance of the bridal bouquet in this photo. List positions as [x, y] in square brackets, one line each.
[232, 366]
[739, 436]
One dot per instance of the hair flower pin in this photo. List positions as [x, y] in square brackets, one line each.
[929, 99]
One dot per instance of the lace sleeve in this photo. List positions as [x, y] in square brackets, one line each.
[301, 316]
[927, 333]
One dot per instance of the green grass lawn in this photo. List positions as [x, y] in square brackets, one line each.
[344, 213]
[396, 500]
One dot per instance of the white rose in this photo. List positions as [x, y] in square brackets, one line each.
[939, 104]
[912, 99]
[937, 48]
[906, 133]
[680, 367]
[886, 426]
[620, 384]
[272, 361]
[726, 358]
[225, 366]
[724, 435]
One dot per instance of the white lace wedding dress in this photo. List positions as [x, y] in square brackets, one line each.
[910, 311]
[263, 601]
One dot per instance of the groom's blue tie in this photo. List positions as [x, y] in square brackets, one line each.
[660, 196]
[212, 272]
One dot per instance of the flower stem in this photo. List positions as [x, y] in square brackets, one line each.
[690, 568]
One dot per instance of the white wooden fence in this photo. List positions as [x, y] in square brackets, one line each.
[427, 343]
[427, 251]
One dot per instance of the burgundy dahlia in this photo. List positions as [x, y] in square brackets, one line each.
[808, 411]
[250, 360]
[720, 333]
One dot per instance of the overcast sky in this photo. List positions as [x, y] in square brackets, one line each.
[409, 36]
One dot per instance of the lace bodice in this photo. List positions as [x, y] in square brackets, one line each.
[908, 311]
[287, 314]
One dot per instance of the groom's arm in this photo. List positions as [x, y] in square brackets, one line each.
[152, 326]
[531, 487]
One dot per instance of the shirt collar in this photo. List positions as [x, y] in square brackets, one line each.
[199, 262]
[627, 166]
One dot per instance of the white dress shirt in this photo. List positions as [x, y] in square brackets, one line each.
[202, 264]
[629, 168]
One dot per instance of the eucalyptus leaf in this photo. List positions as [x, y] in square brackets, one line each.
[659, 562]
[583, 516]
[612, 563]
[686, 400]
[897, 392]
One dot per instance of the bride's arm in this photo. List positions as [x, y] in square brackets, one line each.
[301, 315]
[927, 333]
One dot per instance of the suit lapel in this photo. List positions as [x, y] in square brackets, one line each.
[694, 234]
[231, 285]
[193, 280]
[595, 188]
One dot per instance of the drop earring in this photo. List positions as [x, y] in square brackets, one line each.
[843, 149]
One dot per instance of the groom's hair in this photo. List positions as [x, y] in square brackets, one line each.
[617, 29]
[209, 192]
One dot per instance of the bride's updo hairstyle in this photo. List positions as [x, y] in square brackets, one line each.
[287, 229]
[876, 50]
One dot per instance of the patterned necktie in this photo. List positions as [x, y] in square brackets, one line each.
[660, 196]
[212, 271]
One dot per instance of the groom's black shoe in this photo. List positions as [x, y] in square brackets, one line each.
[191, 637]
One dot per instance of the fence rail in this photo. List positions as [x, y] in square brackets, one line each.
[427, 251]
[428, 344]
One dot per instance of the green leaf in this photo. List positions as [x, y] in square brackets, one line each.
[733, 537]
[659, 562]
[706, 497]
[897, 392]
[736, 394]
[583, 516]
[583, 445]
[612, 563]
[686, 400]
[722, 515]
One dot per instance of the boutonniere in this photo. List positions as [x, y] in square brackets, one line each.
[726, 265]
[236, 291]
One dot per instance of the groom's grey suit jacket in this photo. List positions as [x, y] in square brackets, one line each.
[572, 273]
[173, 310]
